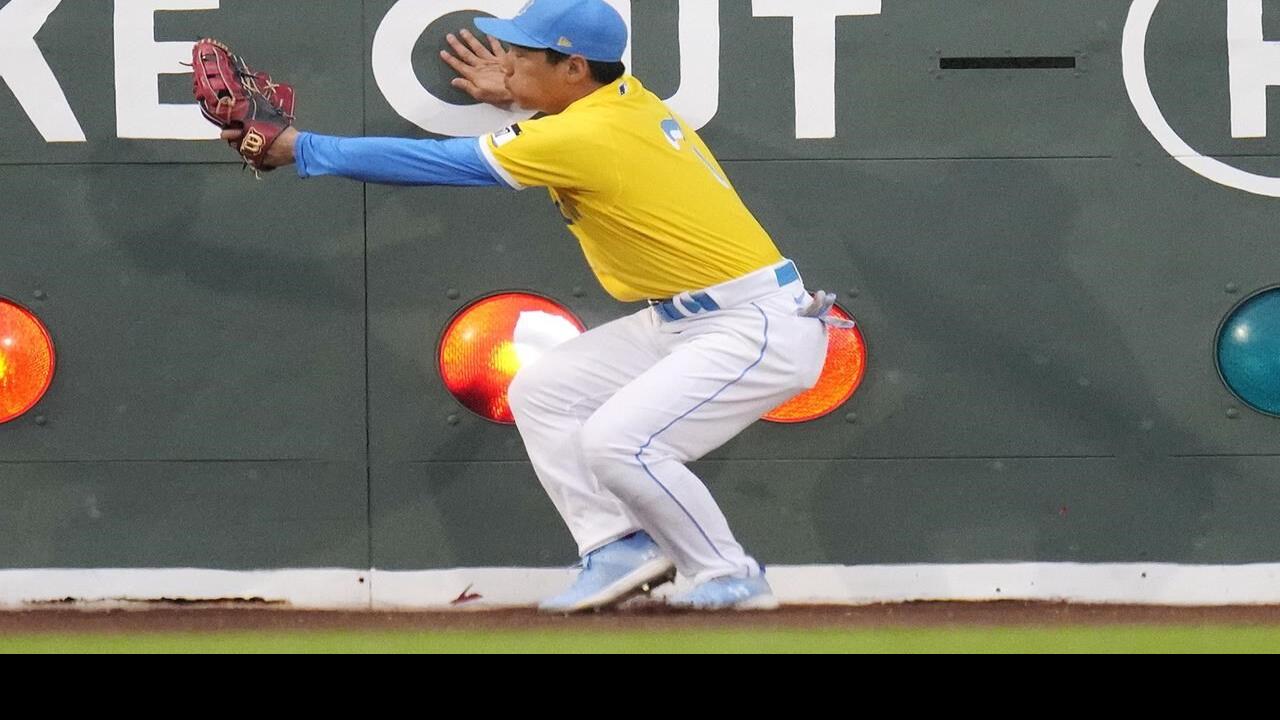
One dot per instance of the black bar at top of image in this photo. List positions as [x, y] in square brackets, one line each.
[1007, 63]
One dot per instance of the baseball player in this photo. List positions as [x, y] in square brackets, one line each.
[611, 418]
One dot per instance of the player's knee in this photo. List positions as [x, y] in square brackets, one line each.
[518, 394]
[525, 390]
[604, 449]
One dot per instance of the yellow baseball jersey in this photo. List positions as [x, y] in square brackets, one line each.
[654, 212]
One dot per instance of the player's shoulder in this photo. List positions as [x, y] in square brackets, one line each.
[609, 104]
[589, 121]
[577, 127]
[544, 134]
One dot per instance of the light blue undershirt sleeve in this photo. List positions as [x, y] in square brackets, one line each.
[394, 161]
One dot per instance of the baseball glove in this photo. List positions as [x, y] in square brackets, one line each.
[232, 96]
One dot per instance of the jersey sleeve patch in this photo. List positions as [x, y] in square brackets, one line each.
[506, 135]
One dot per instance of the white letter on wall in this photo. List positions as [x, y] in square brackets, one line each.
[139, 60]
[393, 66]
[1255, 66]
[24, 69]
[814, 41]
[698, 98]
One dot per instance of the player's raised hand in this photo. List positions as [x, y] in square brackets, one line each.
[481, 70]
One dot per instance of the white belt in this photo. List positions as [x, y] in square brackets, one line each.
[746, 289]
[733, 293]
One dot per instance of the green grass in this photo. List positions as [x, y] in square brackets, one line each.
[1209, 639]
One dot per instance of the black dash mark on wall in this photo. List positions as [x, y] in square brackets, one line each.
[1007, 63]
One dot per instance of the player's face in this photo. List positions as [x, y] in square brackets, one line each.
[534, 83]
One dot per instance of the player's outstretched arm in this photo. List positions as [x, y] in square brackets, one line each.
[481, 70]
[458, 162]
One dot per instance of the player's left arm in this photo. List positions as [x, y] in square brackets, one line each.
[394, 161]
[391, 161]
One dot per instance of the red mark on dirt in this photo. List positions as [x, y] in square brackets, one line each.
[467, 596]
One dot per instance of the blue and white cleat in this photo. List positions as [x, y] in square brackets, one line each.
[728, 593]
[613, 574]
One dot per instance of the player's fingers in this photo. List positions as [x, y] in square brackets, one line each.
[465, 86]
[498, 50]
[232, 134]
[458, 66]
[462, 51]
[477, 48]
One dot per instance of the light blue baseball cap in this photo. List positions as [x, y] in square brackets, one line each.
[590, 28]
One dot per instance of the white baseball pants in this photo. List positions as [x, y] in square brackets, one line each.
[610, 418]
